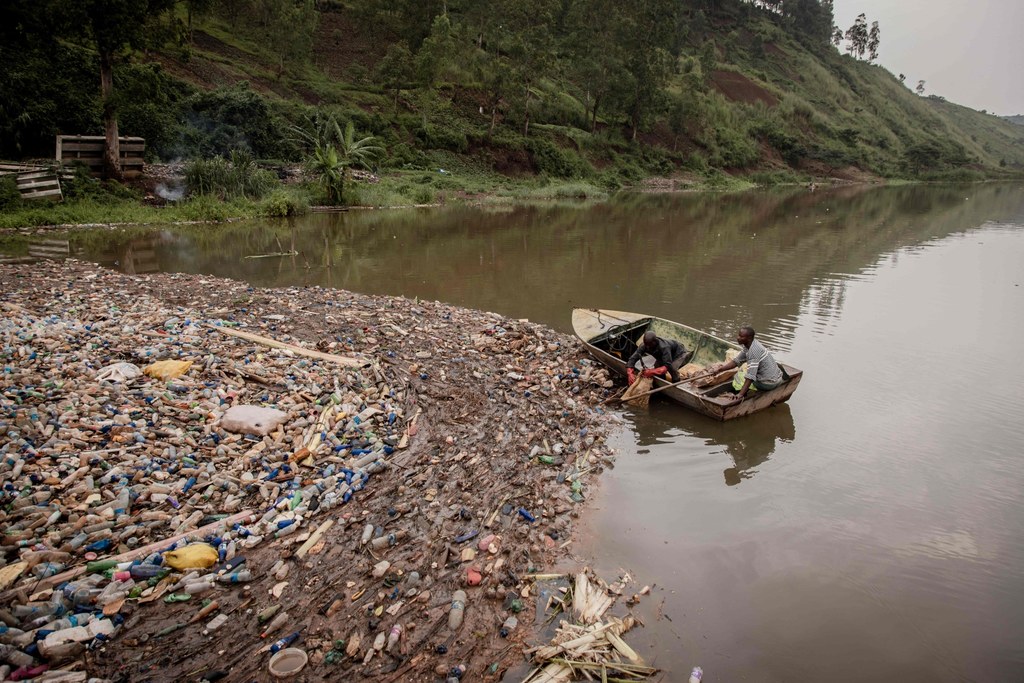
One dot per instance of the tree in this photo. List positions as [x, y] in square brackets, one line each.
[288, 27]
[196, 8]
[920, 88]
[903, 78]
[396, 70]
[873, 39]
[811, 20]
[857, 35]
[114, 28]
[522, 31]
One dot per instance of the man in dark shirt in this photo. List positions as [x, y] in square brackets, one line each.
[669, 355]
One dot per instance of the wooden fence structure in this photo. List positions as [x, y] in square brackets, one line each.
[88, 149]
[34, 181]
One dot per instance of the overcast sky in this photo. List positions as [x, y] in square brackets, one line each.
[969, 51]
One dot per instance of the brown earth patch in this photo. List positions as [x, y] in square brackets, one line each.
[341, 43]
[739, 88]
[513, 162]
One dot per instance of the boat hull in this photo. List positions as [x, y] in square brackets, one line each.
[716, 402]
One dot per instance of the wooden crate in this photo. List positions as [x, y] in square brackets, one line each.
[88, 149]
[40, 184]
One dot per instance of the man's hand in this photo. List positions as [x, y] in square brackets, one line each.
[630, 376]
[655, 372]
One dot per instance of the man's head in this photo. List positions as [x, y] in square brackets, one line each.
[745, 336]
[650, 341]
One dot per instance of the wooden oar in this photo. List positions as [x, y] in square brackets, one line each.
[676, 384]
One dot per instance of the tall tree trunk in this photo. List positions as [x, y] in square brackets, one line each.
[526, 125]
[112, 148]
[593, 116]
[494, 119]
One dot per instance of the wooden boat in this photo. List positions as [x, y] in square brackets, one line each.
[612, 336]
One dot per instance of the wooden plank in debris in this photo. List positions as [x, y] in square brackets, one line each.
[10, 169]
[39, 185]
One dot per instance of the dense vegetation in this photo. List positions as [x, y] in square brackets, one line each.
[593, 91]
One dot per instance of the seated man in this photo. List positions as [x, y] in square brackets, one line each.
[669, 355]
[762, 370]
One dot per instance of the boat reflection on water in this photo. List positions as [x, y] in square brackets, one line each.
[752, 446]
[748, 442]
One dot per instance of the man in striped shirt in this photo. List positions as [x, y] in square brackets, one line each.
[762, 370]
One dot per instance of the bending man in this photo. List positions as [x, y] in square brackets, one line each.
[669, 355]
[762, 370]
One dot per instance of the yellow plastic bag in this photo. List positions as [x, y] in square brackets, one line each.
[194, 556]
[167, 369]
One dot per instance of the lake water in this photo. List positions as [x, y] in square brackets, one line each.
[873, 527]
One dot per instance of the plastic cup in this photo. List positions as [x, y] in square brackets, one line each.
[288, 662]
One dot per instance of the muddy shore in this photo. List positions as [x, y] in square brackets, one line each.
[478, 439]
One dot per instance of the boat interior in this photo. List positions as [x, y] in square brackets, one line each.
[621, 341]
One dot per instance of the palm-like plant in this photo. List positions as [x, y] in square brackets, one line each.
[326, 167]
[333, 153]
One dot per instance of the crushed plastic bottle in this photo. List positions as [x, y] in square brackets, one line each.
[458, 609]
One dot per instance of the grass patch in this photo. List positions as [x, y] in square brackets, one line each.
[576, 190]
[203, 208]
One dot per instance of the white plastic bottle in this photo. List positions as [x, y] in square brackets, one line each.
[696, 674]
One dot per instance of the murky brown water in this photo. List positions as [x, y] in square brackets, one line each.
[874, 527]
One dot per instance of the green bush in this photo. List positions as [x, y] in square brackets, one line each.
[10, 198]
[83, 186]
[556, 161]
[443, 137]
[149, 105]
[282, 203]
[424, 195]
[235, 118]
[239, 177]
[403, 155]
[734, 149]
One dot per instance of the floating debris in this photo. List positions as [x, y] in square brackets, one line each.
[589, 646]
[135, 507]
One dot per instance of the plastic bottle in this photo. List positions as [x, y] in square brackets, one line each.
[241, 576]
[198, 587]
[394, 636]
[15, 657]
[266, 614]
[275, 623]
[145, 571]
[510, 625]
[284, 642]
[458, 609]
[696, 675]
[387, 541]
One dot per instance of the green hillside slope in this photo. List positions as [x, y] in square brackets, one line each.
[603, 92]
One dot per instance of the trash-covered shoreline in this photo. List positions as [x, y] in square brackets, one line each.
[422, 449]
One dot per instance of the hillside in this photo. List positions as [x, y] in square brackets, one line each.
[580, 90]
